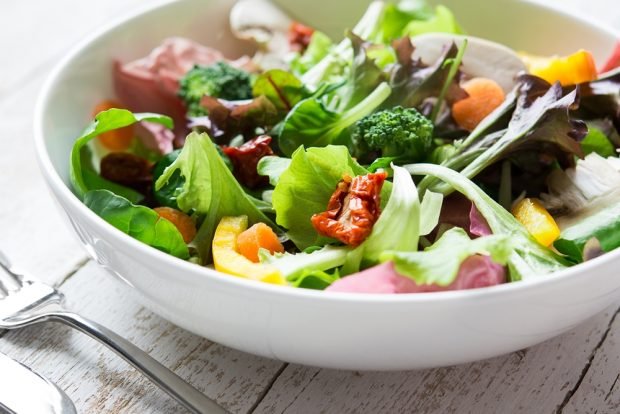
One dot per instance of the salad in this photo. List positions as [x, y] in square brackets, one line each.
[406, 157]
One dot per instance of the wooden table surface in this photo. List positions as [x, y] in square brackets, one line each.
[577, 372]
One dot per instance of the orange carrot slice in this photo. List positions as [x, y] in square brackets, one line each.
[181, 221]
[484, 96]
[256, 237]
[118, 139]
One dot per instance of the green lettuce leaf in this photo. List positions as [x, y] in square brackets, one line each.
[294, 266]
[319, 47]
[210, 189]
[315, 279]
[272, 166]
[442, 21]
[440, 263]
[139, 222]
[529, 258]
[81, 172]
[306, 186]
[597, 141]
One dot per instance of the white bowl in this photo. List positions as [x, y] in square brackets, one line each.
[336, 330]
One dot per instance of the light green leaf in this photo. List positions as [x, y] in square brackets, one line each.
[220, 194]
[272, 166]
[440, 263]
[534, 259]
[306, 186]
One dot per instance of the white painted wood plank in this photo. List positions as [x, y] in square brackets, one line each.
[532, 381]
[32, 233]
[100, 382]
[599, 392]
[33, 34]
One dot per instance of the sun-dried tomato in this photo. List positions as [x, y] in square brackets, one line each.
[299, 36]
[245, 159]
[128, 170]
[352, 210]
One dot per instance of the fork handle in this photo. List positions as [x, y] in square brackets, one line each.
[165, 379]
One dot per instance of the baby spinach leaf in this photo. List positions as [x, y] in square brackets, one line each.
[81, 173]
[168, 194]
[139, 222]
[312, 124]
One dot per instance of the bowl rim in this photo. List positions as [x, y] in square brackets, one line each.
[142, 252]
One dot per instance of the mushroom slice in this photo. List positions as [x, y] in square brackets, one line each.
[258, 20]
[483, 58]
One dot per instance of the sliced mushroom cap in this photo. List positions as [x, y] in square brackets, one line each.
[258, 20]
[483, 58]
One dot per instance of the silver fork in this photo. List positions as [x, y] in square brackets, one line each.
[24, 301]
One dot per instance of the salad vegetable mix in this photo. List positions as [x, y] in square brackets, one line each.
[407, 157]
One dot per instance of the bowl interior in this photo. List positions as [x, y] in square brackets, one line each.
[85, 77]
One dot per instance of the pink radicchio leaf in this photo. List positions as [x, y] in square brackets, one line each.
[478, 225]
[150, 84]
[476, 271]
[155, 137]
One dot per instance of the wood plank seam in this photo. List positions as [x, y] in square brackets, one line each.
[612, 387]
[301, 391]
[79, 265]
[587, 366]
[268, 388]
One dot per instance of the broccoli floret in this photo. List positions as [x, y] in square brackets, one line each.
[219, 80]
[398, 132]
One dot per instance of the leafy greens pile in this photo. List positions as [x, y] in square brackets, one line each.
[352, 109]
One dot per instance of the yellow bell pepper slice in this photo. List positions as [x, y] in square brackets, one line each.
[227, 259]
[568, 70]
[532, 214]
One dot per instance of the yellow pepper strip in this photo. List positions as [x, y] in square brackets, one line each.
[226, 258]
[569, 70]
[537, 220]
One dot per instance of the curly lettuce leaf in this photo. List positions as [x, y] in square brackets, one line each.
[529, 258]
[294, 266]
[210, 189]
[273, 166]
[81, 171]
[319, 47]
[439, 264]
[442, 21]
[139, 222]
[306, 186]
